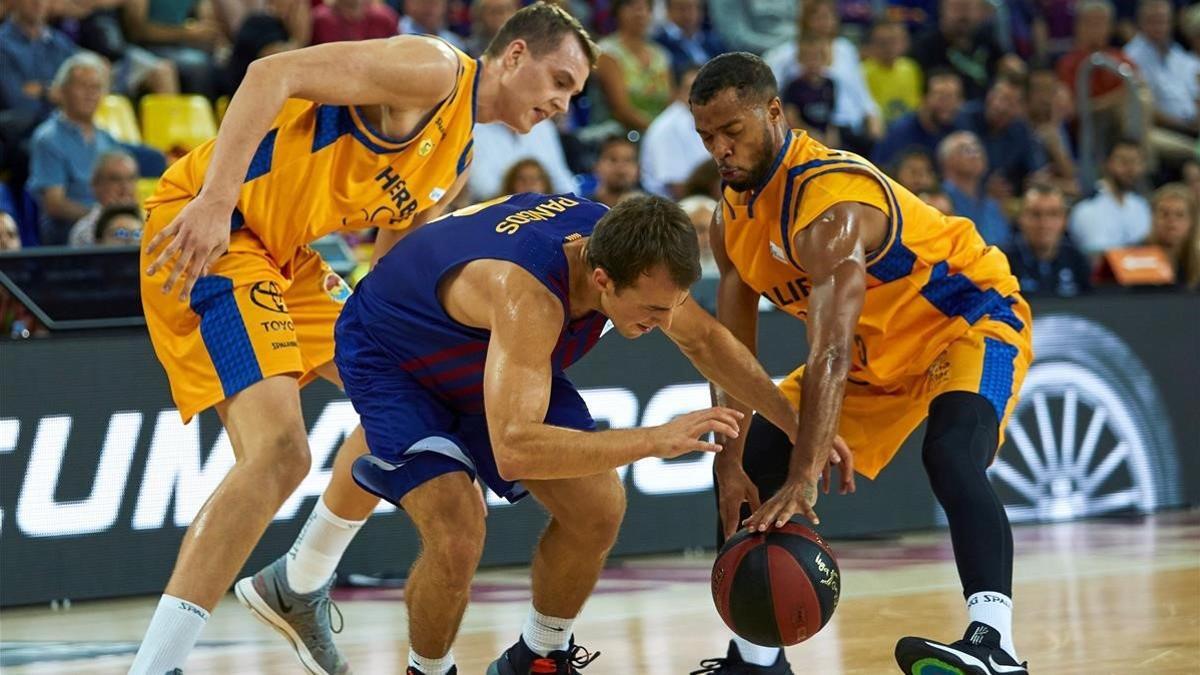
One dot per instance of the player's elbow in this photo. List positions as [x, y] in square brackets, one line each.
[509, 458]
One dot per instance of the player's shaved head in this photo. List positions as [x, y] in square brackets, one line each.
[745, 73]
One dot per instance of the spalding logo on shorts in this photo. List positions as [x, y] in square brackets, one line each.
[336, 287]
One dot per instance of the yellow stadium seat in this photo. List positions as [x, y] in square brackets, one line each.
[115, 115]
[173, 122]
[222, 106]
[145, 188]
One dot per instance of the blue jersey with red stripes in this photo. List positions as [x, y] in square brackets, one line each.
[397, 304]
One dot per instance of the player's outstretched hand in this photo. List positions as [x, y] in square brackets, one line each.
[682, 434]
[734, 488]
[794, 497]
[194, 240]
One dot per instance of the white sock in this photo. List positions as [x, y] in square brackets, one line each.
[431, 666]
[318, 548]
[171, 635]
[756, 654]
[994, 609]
[544, 634]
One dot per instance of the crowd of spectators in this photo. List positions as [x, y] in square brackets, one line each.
[972, 105]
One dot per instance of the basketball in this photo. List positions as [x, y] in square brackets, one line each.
[776, 588]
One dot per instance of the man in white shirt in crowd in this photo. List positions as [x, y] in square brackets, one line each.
[114, 181]
[671, 148]
[497, 148]
[1116, 215]
[1173, 76]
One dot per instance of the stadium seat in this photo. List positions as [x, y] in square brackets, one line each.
[176, 122]
[115, 115]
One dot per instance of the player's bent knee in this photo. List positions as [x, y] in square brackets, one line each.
[285, 456]
[961, 435]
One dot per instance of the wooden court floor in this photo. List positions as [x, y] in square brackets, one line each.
[1100, 597]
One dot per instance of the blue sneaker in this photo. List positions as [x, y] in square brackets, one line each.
[521, 660]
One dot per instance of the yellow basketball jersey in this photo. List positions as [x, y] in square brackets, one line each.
[322, 168]
[932, 278]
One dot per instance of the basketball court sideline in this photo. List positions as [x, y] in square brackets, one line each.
[1101, 597]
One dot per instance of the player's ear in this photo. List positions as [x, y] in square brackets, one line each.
[601, 279]
[515, 51]
[774, 110]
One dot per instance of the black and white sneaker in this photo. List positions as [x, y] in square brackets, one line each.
[978, 653]
[733, 664]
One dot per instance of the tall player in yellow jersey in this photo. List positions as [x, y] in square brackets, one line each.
[339, 136]
[909, 314]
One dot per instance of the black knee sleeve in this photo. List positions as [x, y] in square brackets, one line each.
[768, 452]
[960, 442]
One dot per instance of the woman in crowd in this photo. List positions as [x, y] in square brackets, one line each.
[634, 71]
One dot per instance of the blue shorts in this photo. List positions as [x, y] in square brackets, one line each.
[413, 434]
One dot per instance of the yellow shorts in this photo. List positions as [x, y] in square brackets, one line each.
[990, 359]
[248, 319]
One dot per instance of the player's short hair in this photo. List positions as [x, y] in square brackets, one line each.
[744, 72]
[641, 233]
[542, 26]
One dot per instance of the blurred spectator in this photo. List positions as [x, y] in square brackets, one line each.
[616, 171]
[487, 16]
[700, 209]
[634, 71]
[1041, 256]
[1173, 76]
[933, 120]
[96, 25]
[915, 171]
[961, 43]
[1117, 215]
[65, 147]
[855, 111]
[671, 148]
[705, 180]
[1049, 107]
[296, 16]
[427, 17]
[114, 181]
[261, 34]
[30, 54]
[893, 79]
[1189, 25]
[938, 200]
[497, 148]
[1013, 150]
[10, 236]
[808, 99]
[964, 164]
[1108, 95]
[1173, 227]
[1191, 177]
[346, 20]
[526, 175]
[119, 225]
[754, 26]
[183, 31]
[685, 38]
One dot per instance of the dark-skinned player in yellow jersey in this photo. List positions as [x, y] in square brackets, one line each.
[910, 316]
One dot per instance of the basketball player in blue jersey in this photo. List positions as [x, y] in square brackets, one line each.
[452, 351]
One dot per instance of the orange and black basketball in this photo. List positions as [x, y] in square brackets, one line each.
[776, 588]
